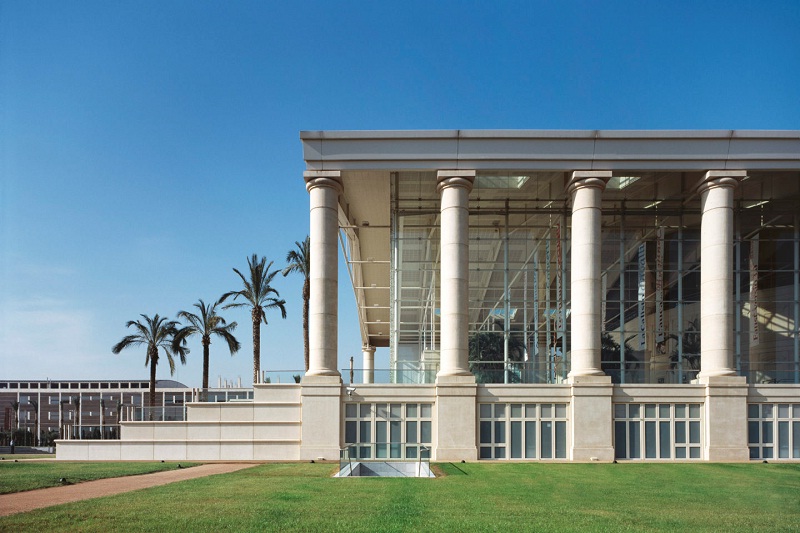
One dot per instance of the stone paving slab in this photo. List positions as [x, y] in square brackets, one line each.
[21, 502]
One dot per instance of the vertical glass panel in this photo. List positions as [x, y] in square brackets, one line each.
[766, 432]
[680, 410]
[795, 440]
[396, 410]
[620, 440]
[752, 410]
[754, 452]
[796, 410]
[783, 411]
[486, 410]
[650, 410]
[766, 452]
[634, 440]
[500, 452]
[411, 432]
[364, 410]
[547, 410]
[561, 440]
[516, 439]
[753, 435]
[530, 410]
[766, 410]
[382, 451]
[694, 453]
[500, 410]
[561, 410]
[411, 410]
[694, 432]
[364, 452]
[680, 452]
[425, 431]
[411, 452]
[663, 410]
[619, 410]
[694, 410]
[634, 410]
[425, 410]
[486, 432]
[350, 410]
[546, 444]
[350, 432]
[650, 439]
[486, 452]
[364, 431]
[530, 440]
[664, 440]
[680, 432]
[380, 431]
[516, 410]
[783, 440]
[396, 439]
[499, 432]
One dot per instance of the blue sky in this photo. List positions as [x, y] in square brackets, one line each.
[146, 148]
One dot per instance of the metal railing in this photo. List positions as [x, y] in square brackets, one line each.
[87, 432]
[351, 455]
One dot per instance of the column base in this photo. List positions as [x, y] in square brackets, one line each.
[591, 419]
[456, 416]
[725, 423]
[321, 398]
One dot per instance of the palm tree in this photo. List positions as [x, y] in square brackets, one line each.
[260, 297]
[299, 260]
[155, 333]
[35, 406]
[207, 323]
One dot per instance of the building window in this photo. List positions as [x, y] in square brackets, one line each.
[388, 430]
[522, 431]
[657, 431]
[773, 428]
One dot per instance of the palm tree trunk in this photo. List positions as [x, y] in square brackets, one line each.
[256, 345]
[306, 298]
[206, 342]
[153, 363]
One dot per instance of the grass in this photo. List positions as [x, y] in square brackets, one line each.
[30, 475]
[470, 497]
[23, 456]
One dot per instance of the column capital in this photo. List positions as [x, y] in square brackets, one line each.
[368, 348]
[588, 178]
[323, 178]
[720, 178]
[454, 178]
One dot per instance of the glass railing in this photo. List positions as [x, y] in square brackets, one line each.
[175, 413]
[90, 432]
[282, 376]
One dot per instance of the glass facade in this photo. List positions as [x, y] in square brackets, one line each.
[519, 277]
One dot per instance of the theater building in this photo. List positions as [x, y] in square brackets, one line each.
[543, 295]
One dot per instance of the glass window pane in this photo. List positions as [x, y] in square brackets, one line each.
[382, 410]
[381, 431]
[350, 410]
[663, 410]
[547, 410]
[650, 410]
[411, 410]
[796, 410]
[411, 452]
[516, 439]
[680, 410]
[694, 453]
[694, 410]
[530, 440]
[766, 410]
[766, 452]
[486, 410]
[411, 432]
[783, 440]
[516, 410]
[680, 432]
[561, 410]
[561, 440]
[350, 432]
[694, 432]
[766, 432]
[500, 452]
[634, 440]
[486, 432]
[425, 410]
[499, 432]
[486, 452]
[619, 410]
[546, 444]
[620, 438]
[382, 451]
[752, 410]
[634, 410]
[795, 440]
[664, 440]
[753, 435]
[364, 409]
[396, 410]
[425, 431]
[530, 410]
[364, 431]
[680, 452]
[783, 411]
[500, 410]
[650, 439]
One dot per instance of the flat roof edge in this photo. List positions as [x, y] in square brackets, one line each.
[546, 134]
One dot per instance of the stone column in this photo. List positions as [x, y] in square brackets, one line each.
[716, 273]
[324, 188]
[586, 188]
[368, 366]
[454, 187]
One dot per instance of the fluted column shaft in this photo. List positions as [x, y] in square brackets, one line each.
[716, 273]
[586, 188]
[454, 188]
[324, 188]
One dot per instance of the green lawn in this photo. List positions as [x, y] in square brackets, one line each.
[471, 497]
[29, 475]
[23, 456]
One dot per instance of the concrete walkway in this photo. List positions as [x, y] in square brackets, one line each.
[21, 502]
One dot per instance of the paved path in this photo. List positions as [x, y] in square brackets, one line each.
[21, 502]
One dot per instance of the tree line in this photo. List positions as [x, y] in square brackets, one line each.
[159, 334]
